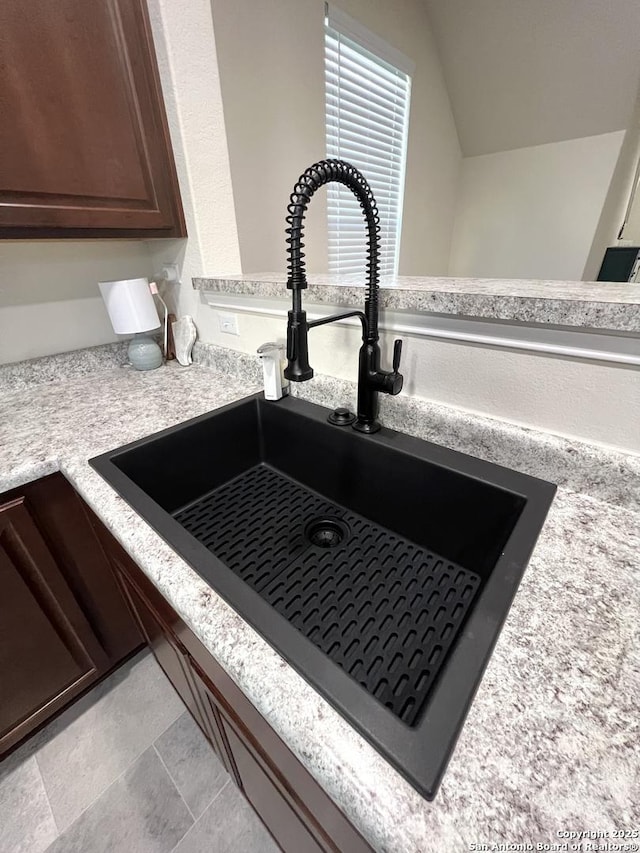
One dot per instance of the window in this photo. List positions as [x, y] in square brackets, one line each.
[367, 87]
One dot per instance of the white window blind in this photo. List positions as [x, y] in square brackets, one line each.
[367, 85]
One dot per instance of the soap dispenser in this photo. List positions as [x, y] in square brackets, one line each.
[275, 385]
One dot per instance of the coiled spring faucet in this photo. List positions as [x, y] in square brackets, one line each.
[371, 379]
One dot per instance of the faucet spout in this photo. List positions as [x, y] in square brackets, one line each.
[371, 379]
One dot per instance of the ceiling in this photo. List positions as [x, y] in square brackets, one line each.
[528, 72]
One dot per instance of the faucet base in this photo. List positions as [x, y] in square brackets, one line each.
[367, 427]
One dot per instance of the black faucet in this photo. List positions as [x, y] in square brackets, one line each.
[371, 379]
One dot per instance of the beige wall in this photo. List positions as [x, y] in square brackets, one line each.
[188, 65]
[271, 59]
[49, 297]
[624, 193]
[530, 72]
[587, 400]
[631, 232]
[532, 212]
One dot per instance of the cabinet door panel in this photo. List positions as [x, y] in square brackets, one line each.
[65, 527]
[282, 821]
[48, 652]
[164, 647]
[173, 658]
[212, 714]
[87, 145]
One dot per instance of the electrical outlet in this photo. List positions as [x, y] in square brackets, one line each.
[228, 323]
[170, 273]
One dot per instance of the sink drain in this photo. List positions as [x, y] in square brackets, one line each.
[326, 532]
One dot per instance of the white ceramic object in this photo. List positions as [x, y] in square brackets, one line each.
[184, 337]
[144, 353]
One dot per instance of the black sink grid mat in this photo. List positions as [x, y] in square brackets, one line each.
[384, 609]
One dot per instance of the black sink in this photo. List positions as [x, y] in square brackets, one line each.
[382, 567]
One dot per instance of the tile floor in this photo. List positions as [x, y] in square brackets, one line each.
[124, 770]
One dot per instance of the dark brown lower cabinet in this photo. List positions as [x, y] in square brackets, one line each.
[63, 621]
[175, 661]
[295, 809]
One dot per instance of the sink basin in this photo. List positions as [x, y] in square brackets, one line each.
[381, 567]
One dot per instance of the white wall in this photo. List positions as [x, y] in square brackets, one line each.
[271, 59]
[532, 209]
[49, 297]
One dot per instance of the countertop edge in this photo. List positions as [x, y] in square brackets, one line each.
[479, 298]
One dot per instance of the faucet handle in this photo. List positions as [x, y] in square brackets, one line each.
[392, 380]
[397, 353]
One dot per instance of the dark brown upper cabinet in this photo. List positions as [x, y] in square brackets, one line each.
[84, 143]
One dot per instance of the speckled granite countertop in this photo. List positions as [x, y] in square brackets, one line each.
[597, 305]
[551, 741]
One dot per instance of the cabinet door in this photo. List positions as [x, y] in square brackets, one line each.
[266, 790]
[283, 823]
[84, 138]
[165, 648]
[48, 652]
[63, 522]
[171, 655]
[213, 719]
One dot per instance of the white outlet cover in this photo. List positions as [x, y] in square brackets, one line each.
[228, 323]
[170, 273]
